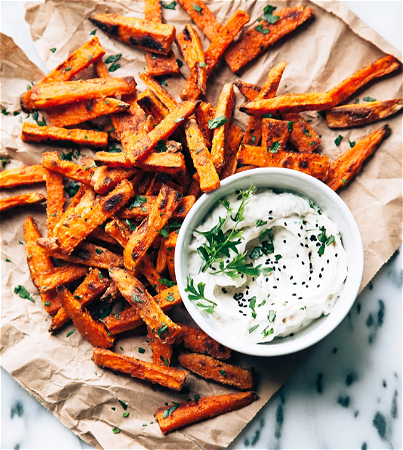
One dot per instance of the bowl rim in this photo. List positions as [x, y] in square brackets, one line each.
[295, 345]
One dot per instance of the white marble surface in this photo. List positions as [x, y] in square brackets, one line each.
[348, 392]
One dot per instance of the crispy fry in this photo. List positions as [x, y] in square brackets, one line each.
[152, 106]
[198, 341]
[190, 46]
[113, 159]
[214, 369]
[141, 239]
[359, 114]
[349, 164]
[249, 90]
[79, 112]
[170, 246]
[151, 36]
[225, 109]
[61, 275]
[107, 178]
[22, 175]
[201, 409]
[130, 319]
[347, 87]
[158, 180]
[82, 174]
[89, 290]
[215, 51]
[245, 168]
[303, 136]
[275, 134]
[201, 157]
[99, 235]
[62, 92]
[309, 163]
[55, 199]
[70, 232]
[255, 42]
[163, 96]
[133, 291]
[39, 263]
[205, 113]
[119, 231]
[166, 162]
[161, 263]
[162, 353]
[88, 138]
[235, 136]
[165, 376]
[20, 200]
[85, 55]
[95, 332]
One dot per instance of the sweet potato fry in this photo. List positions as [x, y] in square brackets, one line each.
[99, 235]
[171, 418]
[59, 93]
[76, 172]
[275, 134]
[223, 116]
[289, 103]
[55, 199]
[359, 114]
[158, 180]
[70, 232]
[22, 175]
[130, 319]
[151, 36]
[213, 369]
[245, 168]
[163, 96]
[215, 51]
[198, 341]
[166, 162]
[235, 136]
[162, 353]
[88, 138]
[205, 113]
[95, 332]
[107, 178]
[190, 46]
[133, 291]
[309, 163]
[349, 164]
[165, 376]
[39, 263]
[249, 90]
[141, 239]
[152, 106]
[20, 200]
[85, 55]
[138, 150]
[347, 87]
[89, 290]
[256, 41]
[112, 159]
[161, 263]
[201, 157]
[170, 246]
[79, 112]
[303, 136]
[61, 275]
[118, 231]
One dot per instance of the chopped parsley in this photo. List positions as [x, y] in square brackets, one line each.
[72, 188]
[352, 143]
[261, 29]
[252, 304]
[124, 405]
[251, 330]
[161, 146]
[131, 226]
[162, 329]
[4, 161]
[196, 396]
[115, 430]
[260, 223]
[338, 140]
[290, 125]
[53, 49]
[136, 299]
[267, 16]
[179, 62]
[114, 67]
[114, 149]
[272, 315]
[217, 122]
[197, 8]
[93, 32]
[202, 64]
[369, 99]
[167, 5]
[23, 293]
[166, 282]
[141, 350]
[170, 410]
[138, 202]
[99, 251]
[35, 116]
[125, 414]
[170, 297]
[113, 58]
[267, 116]
[222, 372]
[267, 332]
[275, 147]
[70, 332]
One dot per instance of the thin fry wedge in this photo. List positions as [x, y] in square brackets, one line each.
[163, 96]
[107, 178]
[20, 200]
[61, 275]
[76, 172]
[249, 90]
[205, 113]
[55, 199]
[275, 134]
[161, 263]
[162, 353]
[235, 136]
[22, 175]
[302, 136]
[152, 106]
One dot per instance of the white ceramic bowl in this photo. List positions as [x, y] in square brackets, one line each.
[280, 180]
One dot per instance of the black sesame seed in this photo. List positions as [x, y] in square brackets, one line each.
[224, 290]
[299, 298]
[313, 238]
[291, 277]
[303, 282]
[327, 261]
[320, 275]
[271, 212]
[316, 225]
[244, 315]
[335, 255]
[322, 269]
[285, 224]
[301, 244]
[284, 267]
[270, 218]
[299, 235]
[279, 269]
[253, 278]
[310, 278]
[301, 227]
[318, 285]
[294, 283]
[247, 292]
[284, 242]
[240, 311]
[294, 295]
[267, 279]
[306, 245]
[302, 262]
[242, 276]
[274, 287]
[318, 244]
[247, 287]
[297, 255]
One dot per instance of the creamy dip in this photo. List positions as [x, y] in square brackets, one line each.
[299, 262]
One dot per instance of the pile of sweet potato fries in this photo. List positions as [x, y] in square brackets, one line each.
[118, 234]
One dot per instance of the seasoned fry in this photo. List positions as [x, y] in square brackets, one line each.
[275, 134]
[95, 332]
[235, 136]
[303, 136]
[201, 409]
[79, 112]
[70, 232]
[166, 162]
[198, 341]
[309, 163]
[163, 96]
[130, 319]
[92, 287]
[201, 157]
[61, 275]
[39, 263]
[256, 41]
[151, 36]
[158, 180]
[55, 199]
[215, 51]
[152, 106]
[62, 92]
[347, 87]
[85, 55]
[99, 235]
[165, 376]
[162, 353]
[118, 231]
[107, 178]
[22, 175]
[170, 246]
[224, 112]
[133, 291]
[88, 138]
[359, 114]
[205, 113]
[161, 263]
[82, 174]
[249, 90]
[349, 164]
[20, 200]
[213, 369]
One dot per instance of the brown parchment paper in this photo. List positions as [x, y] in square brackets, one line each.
[58, 370]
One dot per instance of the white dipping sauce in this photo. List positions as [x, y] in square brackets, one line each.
[303, 285]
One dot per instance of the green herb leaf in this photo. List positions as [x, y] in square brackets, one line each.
[124, 405]
[131, 226]
[170, 410]
[352, 143]
[114, 67]
[179, 62]
[136, 299]
[251, 330]
[53, 49]
[166, 282]
[267, 16]
[222, 372]
[99, 251]
[278, 257]
[137, 202]
[261, 29]
[198, 294]
[114, 149]
[260, 223]
[126, 414]
[162, 329]
[217, 122]
[272, 315]
[70, 332]
[93, 32]
[252, 304]
[4, 161]
[197, 8]
[72, 188]
[290, 125]
[167, 5]
[344, 181]
[338, 140]
[115, 430]
[369, 99]
[321, 250]
[113, 58]
[330, 239]
[23, 293]
[35, 116]
[267, 116]
[141, 350]
[196, 396]
[161, 146]
[267, 332]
